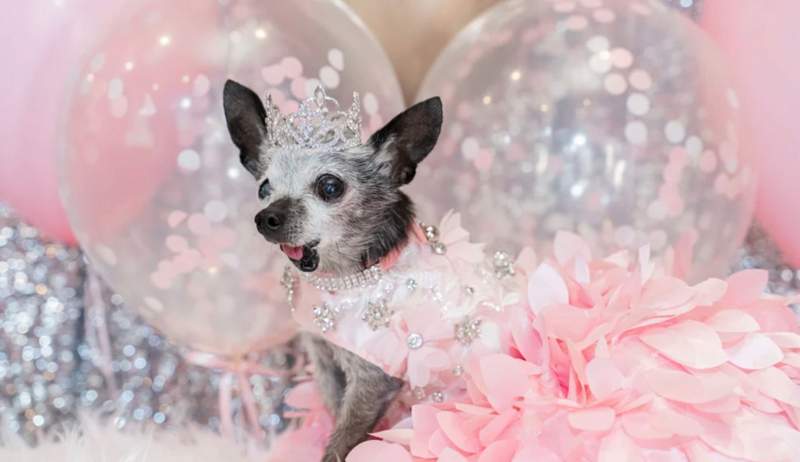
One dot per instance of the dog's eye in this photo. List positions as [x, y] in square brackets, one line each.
[329, 187]
[264, 190]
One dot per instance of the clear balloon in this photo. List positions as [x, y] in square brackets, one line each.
[152, 183]
[610, 118]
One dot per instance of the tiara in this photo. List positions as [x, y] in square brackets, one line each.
[317, 125]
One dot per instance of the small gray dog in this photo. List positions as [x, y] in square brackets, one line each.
[336, 211]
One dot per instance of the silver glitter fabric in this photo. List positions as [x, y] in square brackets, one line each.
[760, 252]
[142, 379]
[40, 327]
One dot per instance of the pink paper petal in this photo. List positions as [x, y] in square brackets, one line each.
[762, 403]
[534, 452]
[710, 291]
[449, 455]
[792, 359]
[755, 351]
[506, 379]
[785, 340]
[526, 339]
[733, 321]
[745, 287]
[618, 447]
[546, 287]
[497, 426]
[660, 424]
[774, 383]
[565, 322]
[370, 451]
[438, 442]
[598, 419]
[423, 417]
[727, 405]
[582, 275]
[603, 377]
[499, 451]
[664, 293]
[460, 431]
[687, 388]
[473, 410]
[690, 343]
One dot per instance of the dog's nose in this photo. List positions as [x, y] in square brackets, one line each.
[271, 221]
[274, 220]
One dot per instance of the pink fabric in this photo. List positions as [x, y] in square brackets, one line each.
[596, 359]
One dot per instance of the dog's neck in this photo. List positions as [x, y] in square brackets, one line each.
[396, 226]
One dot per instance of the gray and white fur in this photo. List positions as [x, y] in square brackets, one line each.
[346, 211]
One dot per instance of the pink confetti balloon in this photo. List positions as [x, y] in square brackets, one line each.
[613, 119]
[154, 187]
[760, 41]
[42, 43]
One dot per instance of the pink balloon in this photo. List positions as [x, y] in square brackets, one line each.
[41, 42]
[761, 41]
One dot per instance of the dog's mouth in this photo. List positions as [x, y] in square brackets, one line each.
[304, 257]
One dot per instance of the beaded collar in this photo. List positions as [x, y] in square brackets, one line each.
[370, 276]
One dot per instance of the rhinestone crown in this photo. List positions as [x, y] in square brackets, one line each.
[317, 125]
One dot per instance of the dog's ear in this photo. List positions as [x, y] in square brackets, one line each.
[246, 117]
[407, 139]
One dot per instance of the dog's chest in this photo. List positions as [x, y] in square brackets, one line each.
[425, 317]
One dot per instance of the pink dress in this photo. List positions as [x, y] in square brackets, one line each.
[566, 359]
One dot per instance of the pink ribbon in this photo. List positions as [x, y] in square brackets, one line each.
[97, 335]
[236, 370]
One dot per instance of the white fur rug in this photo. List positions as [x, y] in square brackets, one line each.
[101, 442]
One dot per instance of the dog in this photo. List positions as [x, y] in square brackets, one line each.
[335, 209]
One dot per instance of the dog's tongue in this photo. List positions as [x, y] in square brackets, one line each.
[293, 252]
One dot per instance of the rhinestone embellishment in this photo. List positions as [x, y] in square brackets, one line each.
[437, 397]
[467, 330]
[414, 341]
[502, 264]
[368, 277]
[325, 317]
[378, 315]
[411, 284]
[432, 235]
[288, 282]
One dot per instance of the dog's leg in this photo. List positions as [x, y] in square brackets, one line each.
[368, 394]
[328, 374]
